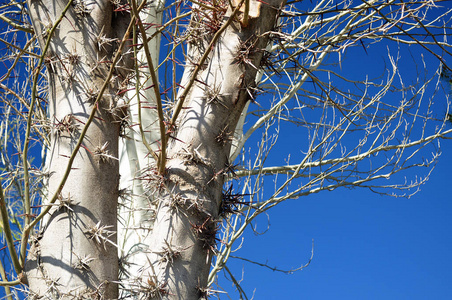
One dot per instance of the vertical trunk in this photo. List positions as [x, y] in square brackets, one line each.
[191, 190]
[75, 254]
[136, 204]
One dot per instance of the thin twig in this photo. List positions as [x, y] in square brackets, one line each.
[15, 25]
[275, 269]
[155, 84]
[7, 232]
[5, 280]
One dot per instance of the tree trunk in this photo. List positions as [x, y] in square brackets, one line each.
[136, 207]
[184, 233]
[75, 253]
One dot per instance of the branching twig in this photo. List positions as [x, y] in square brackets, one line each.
[155, 84]
[275, 269]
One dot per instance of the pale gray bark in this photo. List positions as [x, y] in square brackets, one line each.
[191, 191]
[75, 254]
[136, 210]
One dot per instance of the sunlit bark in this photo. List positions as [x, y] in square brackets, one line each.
[74, 253]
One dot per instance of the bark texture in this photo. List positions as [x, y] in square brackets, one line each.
[75, 254]
[136, 207]
[184, 232]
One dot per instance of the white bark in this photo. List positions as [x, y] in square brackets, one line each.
[74, 254]
[183, 236]
[137, 207]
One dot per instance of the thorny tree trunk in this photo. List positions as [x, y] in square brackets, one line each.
[135, 207]
[75, 253]
[191, 191]
[71, 255]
